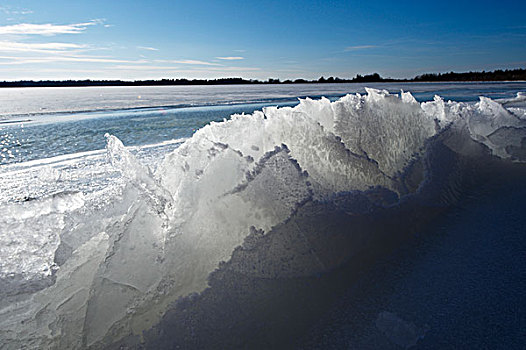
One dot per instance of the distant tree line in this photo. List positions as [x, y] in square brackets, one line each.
[498, 75]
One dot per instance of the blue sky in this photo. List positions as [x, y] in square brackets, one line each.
[114, 39]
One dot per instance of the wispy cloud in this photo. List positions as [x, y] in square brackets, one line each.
[22, 51]
[8, 46]
[231, 58]
[360, 47]
[17, 60]
[24, 45]
[130, 71]
[8, 10]
[47, 29]
[234, 69]
[146, 68]
[147, 48]
[190, 62]
[139, 67]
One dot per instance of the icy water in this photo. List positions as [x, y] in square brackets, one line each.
[238, 216]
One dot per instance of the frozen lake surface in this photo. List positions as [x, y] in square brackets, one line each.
[238, 216]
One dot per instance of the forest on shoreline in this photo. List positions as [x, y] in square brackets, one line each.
[497, 75]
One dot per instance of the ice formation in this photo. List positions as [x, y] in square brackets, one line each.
[91, 272]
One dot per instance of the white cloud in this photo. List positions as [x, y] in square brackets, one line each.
[235, 69]
[37, 47]
[231, 58]
[47, 29]
[359, 47]
[48, 52]
[8, 10]
[90, 59]
[147, 48]
[16, 60]
[191, 62]
[131, 71]
[145, 67]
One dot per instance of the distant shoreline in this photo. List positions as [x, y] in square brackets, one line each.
[514, 75]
